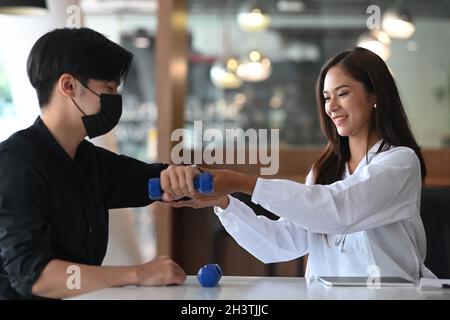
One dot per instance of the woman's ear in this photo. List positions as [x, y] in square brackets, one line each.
[373, 99]
[67, 85]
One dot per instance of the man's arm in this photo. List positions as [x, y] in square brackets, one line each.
[125, 180]
[25, 247]
[62, 279]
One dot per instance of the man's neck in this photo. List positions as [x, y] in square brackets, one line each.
[64, 133]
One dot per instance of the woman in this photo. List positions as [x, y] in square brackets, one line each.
[359, 208]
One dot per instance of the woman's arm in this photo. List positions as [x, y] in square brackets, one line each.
[383, 192]
[268, 240]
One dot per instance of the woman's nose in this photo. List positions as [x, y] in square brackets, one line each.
[332, 105]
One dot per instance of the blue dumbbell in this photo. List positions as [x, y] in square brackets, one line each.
[202, 183]
[209, 275]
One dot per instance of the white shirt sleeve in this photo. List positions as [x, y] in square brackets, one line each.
[380, 193]
[268, 240]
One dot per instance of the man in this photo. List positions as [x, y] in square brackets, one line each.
[56, 188]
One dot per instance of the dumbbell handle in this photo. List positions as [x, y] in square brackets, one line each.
[202, 183]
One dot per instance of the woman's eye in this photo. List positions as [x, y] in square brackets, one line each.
[342, 94]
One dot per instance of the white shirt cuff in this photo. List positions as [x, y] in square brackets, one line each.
[258, 192]
[231, 207]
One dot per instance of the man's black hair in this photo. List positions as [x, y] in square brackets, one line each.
[83, 53]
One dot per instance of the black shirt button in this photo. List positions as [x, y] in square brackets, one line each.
[90, 229]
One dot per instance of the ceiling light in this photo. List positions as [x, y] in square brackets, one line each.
[252, 17]
[290, 6]
[397, 23]
[142, 39]
[223, 74]
[376, 41]
[255, 67]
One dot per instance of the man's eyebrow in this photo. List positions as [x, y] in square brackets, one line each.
[338, 87]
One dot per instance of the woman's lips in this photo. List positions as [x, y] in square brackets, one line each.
[339, 120]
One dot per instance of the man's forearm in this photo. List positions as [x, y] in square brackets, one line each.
[62, 279]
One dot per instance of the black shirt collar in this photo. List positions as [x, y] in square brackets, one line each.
[71, 167]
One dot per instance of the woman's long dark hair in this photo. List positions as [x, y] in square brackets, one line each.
[389, 117]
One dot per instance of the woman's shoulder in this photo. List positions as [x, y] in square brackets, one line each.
[398, 155]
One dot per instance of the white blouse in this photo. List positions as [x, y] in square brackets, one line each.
[371, 218]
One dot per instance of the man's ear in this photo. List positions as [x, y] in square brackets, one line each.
[67, 85]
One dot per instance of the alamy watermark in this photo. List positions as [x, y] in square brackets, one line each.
[373, 22]
[74, 18]
[373, 281]
[73, 281]
[260, 142]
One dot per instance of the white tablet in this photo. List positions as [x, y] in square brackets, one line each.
[366, 281]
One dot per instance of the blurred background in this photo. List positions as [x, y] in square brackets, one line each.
[233, 64]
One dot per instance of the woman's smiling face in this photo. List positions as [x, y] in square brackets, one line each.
[348, 103]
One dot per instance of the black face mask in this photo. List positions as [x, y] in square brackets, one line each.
[106, 119]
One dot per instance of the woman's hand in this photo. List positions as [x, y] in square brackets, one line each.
[221, 202]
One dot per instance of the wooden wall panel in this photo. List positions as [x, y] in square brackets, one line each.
[171, 75]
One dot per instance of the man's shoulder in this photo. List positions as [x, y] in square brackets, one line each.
[19, 144]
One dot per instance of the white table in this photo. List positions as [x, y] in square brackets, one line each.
[263, 288]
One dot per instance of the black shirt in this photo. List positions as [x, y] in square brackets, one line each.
[56, 207]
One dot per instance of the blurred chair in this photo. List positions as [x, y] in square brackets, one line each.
[435, 213]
